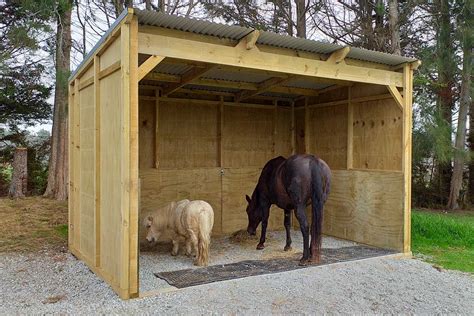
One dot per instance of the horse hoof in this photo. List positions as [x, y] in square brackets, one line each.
[260, 246]
[287, 248]
[304, 262]
[174, 254]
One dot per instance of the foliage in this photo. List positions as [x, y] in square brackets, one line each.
[446, 239]
[38, 153]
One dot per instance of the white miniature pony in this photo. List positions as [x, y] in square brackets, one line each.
[191, 220]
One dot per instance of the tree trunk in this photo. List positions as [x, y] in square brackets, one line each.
[445, 101]
[58, 168]
[394, 26]
[148, 4]
[19, 182]
[456, 180]
[300, 18]
[470, 188]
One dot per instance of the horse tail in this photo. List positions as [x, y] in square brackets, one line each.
[204, 236]
[320, 186]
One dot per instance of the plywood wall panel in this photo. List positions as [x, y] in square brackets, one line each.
[283, 132]
[377, 139]
[366, 207]
[248, 136]
[111, 55]
[188, 135]
[147, 133]
[328, 134]
[111, 104]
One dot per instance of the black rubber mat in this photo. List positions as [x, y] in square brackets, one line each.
[242, 269]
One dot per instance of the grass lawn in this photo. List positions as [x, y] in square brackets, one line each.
[32, 223]
[444, 239]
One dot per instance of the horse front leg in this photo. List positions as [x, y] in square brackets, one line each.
[287, 224]
[261, 244]
[301, 217]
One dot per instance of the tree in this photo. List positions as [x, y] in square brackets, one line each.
[18, 185]
[467, 41]
[394, 26]
[58, 164]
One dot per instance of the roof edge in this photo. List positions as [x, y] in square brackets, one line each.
[125, 13]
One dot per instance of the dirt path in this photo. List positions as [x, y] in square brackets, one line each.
[54, 282]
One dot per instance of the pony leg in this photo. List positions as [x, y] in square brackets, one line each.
[189, 248]
[175, 249]
[287, 224]
[301, 217]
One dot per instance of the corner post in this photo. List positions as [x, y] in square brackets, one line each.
[350, 130]
[407, 154]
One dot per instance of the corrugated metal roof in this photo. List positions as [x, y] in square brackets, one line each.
[191, 25]
[242, 76]
[234, 32]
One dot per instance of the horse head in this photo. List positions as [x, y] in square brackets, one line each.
[254, 213]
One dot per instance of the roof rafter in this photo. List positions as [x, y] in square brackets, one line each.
[261, 87]
[188, 77]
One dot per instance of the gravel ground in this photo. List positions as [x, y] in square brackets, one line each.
[158, 258]
[51, 282]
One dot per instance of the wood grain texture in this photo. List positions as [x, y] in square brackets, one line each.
[377, 135]
[328, 129]
[366, 207]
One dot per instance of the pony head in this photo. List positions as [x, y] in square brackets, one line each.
[152, 233]
[254, 214]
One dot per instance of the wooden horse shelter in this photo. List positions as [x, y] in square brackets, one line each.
[166, 108]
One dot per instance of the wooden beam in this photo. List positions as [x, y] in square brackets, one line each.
[155, 44]
[397, 96]
[109, 70]
[240, 85]
[148, 66]
[188, 77]
[261, 87]
[339, 55]
[353, 100]
[84, 84]
[250, 39]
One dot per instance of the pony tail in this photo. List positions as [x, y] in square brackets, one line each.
[204, 242]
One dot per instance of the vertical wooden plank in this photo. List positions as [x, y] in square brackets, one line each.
[307, 137]
[221, 159]
[293, 134]
[406, 158]
[97, 158]
[220, 130]
[71, 209]
[76, 166]
[350, 129]
[134, 159]
[157, 128]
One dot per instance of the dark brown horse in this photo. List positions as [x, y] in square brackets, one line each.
[290, 184]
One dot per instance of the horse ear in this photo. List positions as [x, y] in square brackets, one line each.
[150, 218]
[248, 198]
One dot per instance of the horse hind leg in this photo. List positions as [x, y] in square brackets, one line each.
[316, 229]
[287, 224]
[301, 217]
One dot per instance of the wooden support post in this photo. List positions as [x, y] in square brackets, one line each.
[407, 153]
[307, 137]
[157, 128]
[97, 158]
[293, 134]
[350, 130]
[274, 123]
[250, 39]
[220, 132]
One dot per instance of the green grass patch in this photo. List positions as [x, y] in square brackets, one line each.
[62, 230]
[444, 239]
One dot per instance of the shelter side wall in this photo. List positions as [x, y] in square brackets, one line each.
[358, 132]
[99, 127]
[213, 152]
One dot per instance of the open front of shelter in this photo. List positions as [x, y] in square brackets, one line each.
[166, 108]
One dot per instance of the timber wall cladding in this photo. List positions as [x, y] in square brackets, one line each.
[189, 155]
